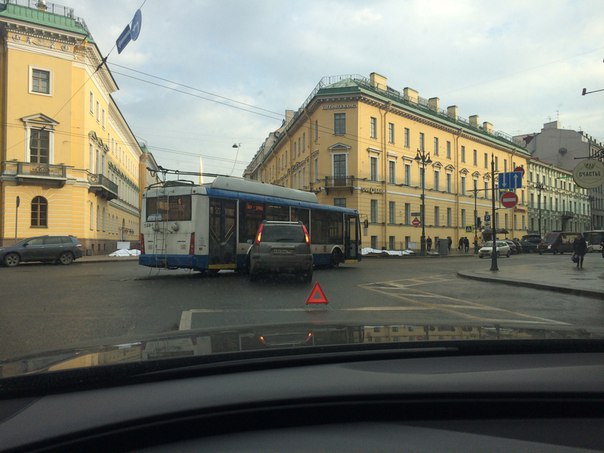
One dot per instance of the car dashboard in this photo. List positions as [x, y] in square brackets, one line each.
[433, 398]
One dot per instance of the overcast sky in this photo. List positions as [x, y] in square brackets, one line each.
[516, 64]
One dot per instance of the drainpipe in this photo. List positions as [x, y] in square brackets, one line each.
[456, 137]
[386, 110]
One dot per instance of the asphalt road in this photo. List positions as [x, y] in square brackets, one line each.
[50, 307]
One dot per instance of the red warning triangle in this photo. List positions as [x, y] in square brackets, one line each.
[317, 296]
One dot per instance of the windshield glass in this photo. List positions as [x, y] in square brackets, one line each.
[406, 137]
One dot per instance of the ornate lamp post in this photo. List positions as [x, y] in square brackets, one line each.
[423, 159]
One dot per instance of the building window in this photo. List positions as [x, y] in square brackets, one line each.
[496, 163]
[475, 158]
[374, 242]
[341, 202]
[315, 168]
[448, 150]
[391, 243]
[316, 130]
[436, 180]
[339, 167]
[40, 81]
[373, 167]
[91, 102]
[422, 143]
[390, 132]
[486, 189]
[407, 138]
[463, 218]
[408, 174]
[373, 127]
[486, 160]
[392, 172]
[449, 215]
[463, 153]
[407, 213]
[436, 216]
[339, 123]
[436, 146]
[374, 211]
[463, 185]
[391, 212]
[39, 212]
[39, 146]
[449, 188]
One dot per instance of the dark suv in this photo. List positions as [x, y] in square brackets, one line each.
[51, 249]
[282, 247]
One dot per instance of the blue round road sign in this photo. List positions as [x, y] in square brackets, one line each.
[135, 26]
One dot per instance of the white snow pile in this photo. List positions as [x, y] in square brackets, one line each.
[124, 252]
[370, 251]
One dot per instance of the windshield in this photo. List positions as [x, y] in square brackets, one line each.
[405, 136]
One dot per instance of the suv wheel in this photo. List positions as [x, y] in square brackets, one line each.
[12, 260]
[66, 258]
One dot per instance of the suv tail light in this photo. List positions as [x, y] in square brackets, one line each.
[306, 236]
[142, 244]
[259, 235]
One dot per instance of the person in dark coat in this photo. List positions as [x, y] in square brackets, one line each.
[580, 249]
[429, 243]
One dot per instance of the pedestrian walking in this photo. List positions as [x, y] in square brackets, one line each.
[579, 249]
[429, 243]
[466, 244]
[461, 244]
[450, 242]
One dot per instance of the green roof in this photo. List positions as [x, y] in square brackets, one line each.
[55, 16]
[359, 84]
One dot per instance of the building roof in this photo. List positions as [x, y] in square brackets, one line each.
[46, 14]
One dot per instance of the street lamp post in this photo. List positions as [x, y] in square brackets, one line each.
[422, 159]
[539, 186]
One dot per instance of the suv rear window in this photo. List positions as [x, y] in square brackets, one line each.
[282, 233]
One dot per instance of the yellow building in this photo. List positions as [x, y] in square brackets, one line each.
[69, 162]
[357, 142]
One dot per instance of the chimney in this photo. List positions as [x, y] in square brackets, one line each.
[289, 114]
[453, 112]
[434, 104]
[411, 95]
[488, 127]
[378, 81]
[474, 121]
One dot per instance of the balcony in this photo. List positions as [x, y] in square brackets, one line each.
[567, 214]
[30, 173]
[339, 182]
[102, 186]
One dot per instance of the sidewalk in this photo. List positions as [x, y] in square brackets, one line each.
[559, 274]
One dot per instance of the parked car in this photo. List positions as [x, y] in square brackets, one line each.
[281, 247]
[529, 246]
[513, 247]
[502, 248]
[557, 242]
[51, 249]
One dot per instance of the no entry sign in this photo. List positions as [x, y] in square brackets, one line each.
[509, 199]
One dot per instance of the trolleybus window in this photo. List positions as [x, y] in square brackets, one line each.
[250, 216]
[327, 227]
[169, 208]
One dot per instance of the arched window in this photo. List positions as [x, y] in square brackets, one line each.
[39, 212]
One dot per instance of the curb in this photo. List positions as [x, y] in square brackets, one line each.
[536, 285]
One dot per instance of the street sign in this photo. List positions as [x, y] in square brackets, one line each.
[124, 39]
[487, 217]
[510, 180]
[415, 222]
[131, 32]
[509, 200]
[135, 26]
[469, 229]
[520, 170]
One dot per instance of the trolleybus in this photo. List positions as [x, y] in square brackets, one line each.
[212, 226]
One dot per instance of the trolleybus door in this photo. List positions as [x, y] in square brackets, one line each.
[223, 234]
[351, 238]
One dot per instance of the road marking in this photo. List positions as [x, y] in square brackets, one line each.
[456, 308]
